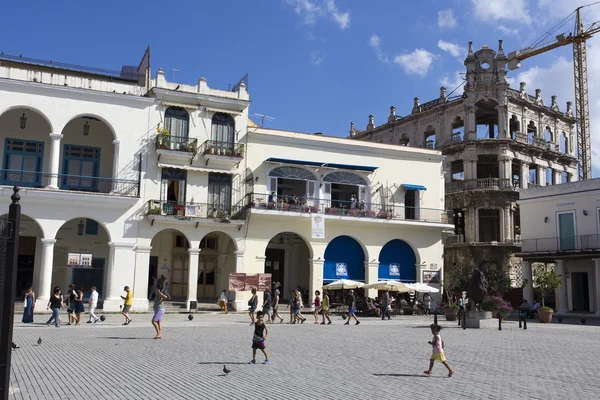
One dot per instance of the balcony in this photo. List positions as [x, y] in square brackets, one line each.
[44, 181]
[484, 183]
[267, 204]
[561, 245]
[170, 211]
[176, 148]
[223, 154]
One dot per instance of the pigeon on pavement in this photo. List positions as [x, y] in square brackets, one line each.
[227, 371]
[40, 341]
[15, 346]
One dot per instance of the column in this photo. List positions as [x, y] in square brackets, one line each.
[37, 266]
[470, 231]
[524, 179]
[502, 122]
[54, 159]
[316, 275]
[193, 276]
[528, 288]
[371, 276]
[541, 171]
[505, 167]
[115, 175]
[120, 272]
[507, 225]
[561, 293]
[240, 299]
[597, 273]
[45, 283]
[140, 279]
[557, 177]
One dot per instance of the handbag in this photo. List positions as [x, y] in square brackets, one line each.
[24, 303]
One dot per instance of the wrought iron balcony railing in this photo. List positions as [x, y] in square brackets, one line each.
[176, 143]
[578, 243]
[483, 183]
[192, 210]
[225, 149]
[66, 182]
[302, 204]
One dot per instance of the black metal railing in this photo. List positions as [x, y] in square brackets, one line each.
[561, 244]
[483, 183]
[176, 143]
[220, 148]
[193, 210]
[67, 182]
[357, 209]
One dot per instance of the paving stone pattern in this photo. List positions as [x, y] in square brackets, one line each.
[377, 359]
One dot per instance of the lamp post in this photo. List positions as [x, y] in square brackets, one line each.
[86, 128]
[80, 227]
[23, 121]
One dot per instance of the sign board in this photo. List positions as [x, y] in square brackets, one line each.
[317, 226]
[264, 282]
[79, 260]
[341, 270]
[251, 282]
[239, 282]
[395, 269]
[430, 276]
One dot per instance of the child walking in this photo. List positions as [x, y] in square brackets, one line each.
[317, 304]
[260, 335]
[438, 350]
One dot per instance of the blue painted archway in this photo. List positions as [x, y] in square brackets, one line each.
[397, 261]
[344, 259]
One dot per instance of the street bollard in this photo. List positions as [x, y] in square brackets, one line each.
[459, 316]
[435, 317]
[525, 322]
[464, 321]
[499, 322]
[520, 318]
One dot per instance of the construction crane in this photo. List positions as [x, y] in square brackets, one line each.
[578, 38]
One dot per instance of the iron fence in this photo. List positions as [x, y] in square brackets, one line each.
[561, 244]
[222, 148]
[176, 143]
[193, 210]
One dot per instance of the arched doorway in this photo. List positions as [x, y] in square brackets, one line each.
[25, 148]
[81, 236]
[169, 257]
[344, 259]
[345, 190]
[215, 262]
[286, 259]
[397, 261]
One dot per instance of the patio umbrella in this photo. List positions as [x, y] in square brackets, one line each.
[422, 288]
[392, 286]
[343, 284]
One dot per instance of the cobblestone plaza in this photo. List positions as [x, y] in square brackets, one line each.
[377, 359]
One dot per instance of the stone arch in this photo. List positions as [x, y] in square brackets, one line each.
[345, 178]
[345, 258]
[531, 131]
[289, 269]
[398, 261]
[29, 108]
[429, 137]
[564, 143]
[486, 119]
[169, 256]
[404, 140]
[217, 259]
[92, 117]
[291, 172]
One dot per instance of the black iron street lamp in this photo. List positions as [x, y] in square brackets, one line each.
[80, 227]
[23, 121]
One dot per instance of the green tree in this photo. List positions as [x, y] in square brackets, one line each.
[498, 281]
[546, 281]
[456, 279]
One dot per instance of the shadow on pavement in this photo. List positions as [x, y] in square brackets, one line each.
[127, 338]
[222, 363]
[409, 375]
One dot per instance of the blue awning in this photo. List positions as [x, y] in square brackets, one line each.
[414, 187]
[322, 164]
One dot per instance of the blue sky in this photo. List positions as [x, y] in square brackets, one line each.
[314, 65]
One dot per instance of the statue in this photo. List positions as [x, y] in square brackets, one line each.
[477, 289]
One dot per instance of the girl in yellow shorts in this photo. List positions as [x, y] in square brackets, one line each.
[438, 351]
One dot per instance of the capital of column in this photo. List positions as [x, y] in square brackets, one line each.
[238, 253]
[143, 249]
[116, 143]
[194, 251]
[121, 245]
[56, 136]
[316, 260]
[504, 158]
[261, 258]
[371, 264]
[48, 242]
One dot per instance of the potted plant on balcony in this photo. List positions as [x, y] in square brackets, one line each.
[156, 210]
[163, 138]
[240, 151]
[545, 281]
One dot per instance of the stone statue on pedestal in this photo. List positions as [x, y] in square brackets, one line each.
[477, 289]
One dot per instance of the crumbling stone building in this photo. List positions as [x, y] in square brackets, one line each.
[497, 140]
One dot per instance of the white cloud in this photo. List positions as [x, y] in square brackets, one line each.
[502, 10]
[508, 31]
[317, 57]
[375, 43]
[451, 82]
[311, 11]
[446, 19]
[454, 49]
[416, 63]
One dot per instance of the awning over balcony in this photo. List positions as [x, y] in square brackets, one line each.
[322, 164]
[189, 168]
[170, 104]
[413, 187]
[222, 110]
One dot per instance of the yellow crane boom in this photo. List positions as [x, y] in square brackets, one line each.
[578, 39]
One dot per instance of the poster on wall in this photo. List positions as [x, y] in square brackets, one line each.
[264, 282]
[430, 276]
[251, 282]
[79, 260]
[237, 282]
[318, 226]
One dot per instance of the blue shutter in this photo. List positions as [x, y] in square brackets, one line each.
[566, 231]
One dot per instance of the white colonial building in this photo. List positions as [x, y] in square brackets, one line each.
[561, 226]
[158, 178]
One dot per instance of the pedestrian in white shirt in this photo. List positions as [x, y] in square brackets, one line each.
[93, 303]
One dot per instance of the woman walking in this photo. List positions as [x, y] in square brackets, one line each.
[55, 304]
[71, 296]
[253, 303]
[298, 307]
[276, 307]
[325, 308]
[29, 302]
[317, 304]
[79, 308]
[159, 311]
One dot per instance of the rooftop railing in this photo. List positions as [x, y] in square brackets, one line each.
[483, 183]
[356, 209]
[192, 210]
[561, 244]
[176, 143]
[67, 182]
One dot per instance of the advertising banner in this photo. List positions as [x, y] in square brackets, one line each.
[318, 226]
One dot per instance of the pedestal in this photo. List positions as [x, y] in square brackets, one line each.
[480, 319]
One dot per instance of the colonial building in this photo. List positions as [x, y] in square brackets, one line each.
[561, 226]
[497, 142]
[151, 177]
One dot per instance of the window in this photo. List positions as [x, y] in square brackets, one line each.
[489, 225]
[410, 204]
[173, 189]
[91, 227]
[177, 122]
[219, 193]
[80, 164]
[22, 163]
[487, 167]
[566, 230]
[223, 130]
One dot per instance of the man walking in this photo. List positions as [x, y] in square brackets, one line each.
[93, 303]
[352, 308]
[385, 303]
[127, 304]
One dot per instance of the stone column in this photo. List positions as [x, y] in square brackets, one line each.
[507, 225]
[557, 176]
[371, 276]
[45, 276]
[505, 167]
[597, 280]
[528, 289]
[239, 261]
[502, 122]
[315, 275]
[119, 273]
[115, 174]
[140, 278]
[470, 232]
[54, 159]
[193, 276]
[470, 126]
[561, 293]
[541, 172]
[524, 175]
